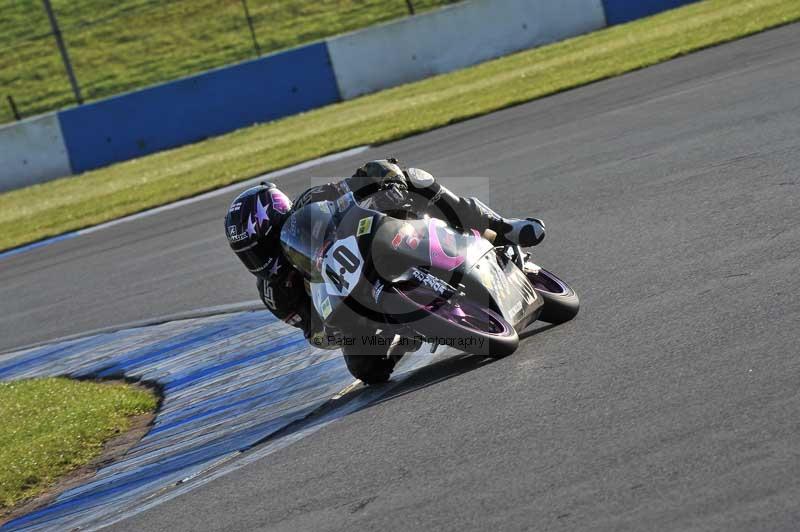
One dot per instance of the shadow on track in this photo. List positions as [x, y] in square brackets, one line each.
[536, 328]
[361, 397]
[442, 370]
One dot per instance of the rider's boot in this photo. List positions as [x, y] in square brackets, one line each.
[526, 233]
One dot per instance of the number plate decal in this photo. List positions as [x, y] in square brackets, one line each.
[342, 265]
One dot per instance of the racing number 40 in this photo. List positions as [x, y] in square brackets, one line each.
[349, 264]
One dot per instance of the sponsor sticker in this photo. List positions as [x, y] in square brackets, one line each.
[397, 240]
[233, 236]
[323, 206]
[343, 202]
[377, 291]
[408, 234]
[235, 207]
[326, 308]
[431, 281]
[269, 299]
[516, 309]
[521, 282]
[364, 226]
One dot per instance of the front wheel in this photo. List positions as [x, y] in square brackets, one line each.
[561, 303]
[463, 324]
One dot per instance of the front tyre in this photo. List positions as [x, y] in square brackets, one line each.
[561, 303]
[463, 324]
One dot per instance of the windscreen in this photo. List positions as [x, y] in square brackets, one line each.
[306, 234]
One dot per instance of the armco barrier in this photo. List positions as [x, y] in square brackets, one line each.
[458, 36]
[32, 151]
[621, 11]
[197, 107]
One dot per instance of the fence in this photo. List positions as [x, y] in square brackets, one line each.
[121, 46]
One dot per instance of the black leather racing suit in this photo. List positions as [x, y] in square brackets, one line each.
[414, 191]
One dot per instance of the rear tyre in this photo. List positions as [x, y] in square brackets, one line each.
[561, 303]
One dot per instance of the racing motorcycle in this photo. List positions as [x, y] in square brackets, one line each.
[385, 285]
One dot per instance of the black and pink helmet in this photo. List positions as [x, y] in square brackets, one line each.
[253, 226]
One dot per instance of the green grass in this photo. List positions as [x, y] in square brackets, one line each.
[123, 45]
[132, 186]
[51, 426]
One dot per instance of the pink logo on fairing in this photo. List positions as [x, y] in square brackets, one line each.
[440, 259]
[280, 202]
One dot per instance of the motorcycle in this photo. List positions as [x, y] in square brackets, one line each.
[385, 285]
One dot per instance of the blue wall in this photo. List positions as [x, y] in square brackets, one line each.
[620, 11]
[193, 108]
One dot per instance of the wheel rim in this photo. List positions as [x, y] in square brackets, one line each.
[545, 281]
[464, 314]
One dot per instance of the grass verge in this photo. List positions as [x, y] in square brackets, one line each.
[127, 44]
[101, 195]
[52, 426]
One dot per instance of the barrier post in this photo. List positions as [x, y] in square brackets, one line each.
[252, 30]
[63, 50]
[13, 106]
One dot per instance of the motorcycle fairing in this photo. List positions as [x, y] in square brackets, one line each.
[445, 252]
[508, 288]
[465, 261]
[337, 243]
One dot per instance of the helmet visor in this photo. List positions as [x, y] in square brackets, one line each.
[259, 257]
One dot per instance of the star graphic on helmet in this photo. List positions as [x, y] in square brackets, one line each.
[261, 212]
[251, 227]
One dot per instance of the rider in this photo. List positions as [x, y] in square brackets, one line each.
[255, 217]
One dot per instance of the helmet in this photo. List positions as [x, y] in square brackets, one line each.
[253, 225]
[383, 169]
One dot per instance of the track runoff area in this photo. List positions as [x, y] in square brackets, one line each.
[670, 198]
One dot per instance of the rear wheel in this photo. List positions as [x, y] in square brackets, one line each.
[368, 360]
[370, 369]
[561, 303]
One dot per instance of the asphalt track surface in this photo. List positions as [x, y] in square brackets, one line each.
[671, 197]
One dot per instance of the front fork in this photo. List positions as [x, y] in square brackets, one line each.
[522, 260]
